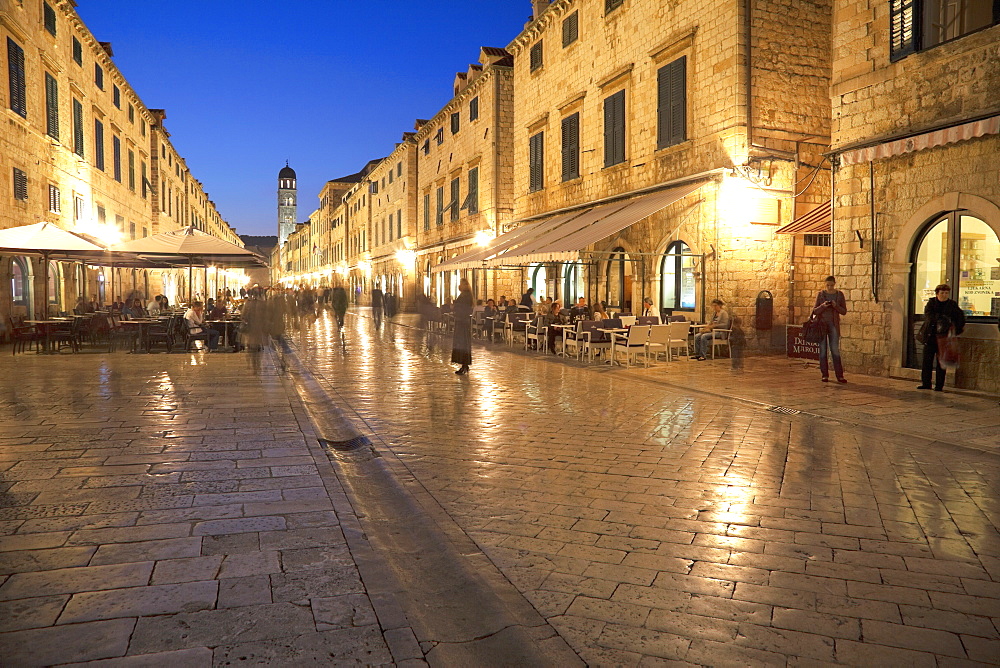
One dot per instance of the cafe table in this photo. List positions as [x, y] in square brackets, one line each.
[226, 324]
[611, 331]
[563, 328]
[142, 324]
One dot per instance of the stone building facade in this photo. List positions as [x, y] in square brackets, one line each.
[916, 190]
[393, 192]
[79, 148]
[620, 100]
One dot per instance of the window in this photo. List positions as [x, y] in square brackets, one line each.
[51, 106]
[98, 144]
[915, 25]
[816, 239]
[456, 120]
[456, 191]
[145, 184]
[79, 208]
[390, 176]
[473, 108]
[19, 283]
[116, 155]
[55, 199]
[391, 229]
[427, 146]
[373, 187]
[472, 199]
[610, 5]
[49, 18]
[677, 290]
[116, 96]
[619, 281]
[399, 169]
[98, 76]
[439, 137]
[78, 128]
[536, 159]
[142, 127]
[427, 211]
[131, 230]
[20, 184]
[571, 28]
[671, 111]
[439, 218]
[77, 52]
[399, 223]
[131, 170]
[102, 214]
[571, 147]
[131, 113]
[536, 55]
[614, 129]
[15, 70]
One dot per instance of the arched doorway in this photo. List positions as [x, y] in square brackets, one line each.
[537, 276]
[55, 287]
[20, 285]
[677, 281]
[572, 283]
[619, 281]
[960, 250]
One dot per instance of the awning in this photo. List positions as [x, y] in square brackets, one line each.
[474, 259]
[956, 133]
[563, 242]
[816, 221]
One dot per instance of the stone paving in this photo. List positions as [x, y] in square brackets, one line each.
[652, 524]
[168, 510]
[174, 509]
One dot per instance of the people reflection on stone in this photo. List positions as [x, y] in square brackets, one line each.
[461, 346]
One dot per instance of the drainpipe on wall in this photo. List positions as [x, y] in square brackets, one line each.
[748, 68]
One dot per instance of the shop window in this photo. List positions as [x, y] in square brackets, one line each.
[677, 282]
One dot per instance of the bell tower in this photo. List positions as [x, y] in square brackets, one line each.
[287, 203]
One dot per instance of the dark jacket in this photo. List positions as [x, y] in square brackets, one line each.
[942, 315]
[830, 314]
[526, 300]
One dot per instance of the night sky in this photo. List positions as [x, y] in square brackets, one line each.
[325, 84]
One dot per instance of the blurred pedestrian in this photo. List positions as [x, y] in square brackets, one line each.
[942, 319]
[737, 344]
[461, 346]
[830, 305]
[339, 303]
[378, 304]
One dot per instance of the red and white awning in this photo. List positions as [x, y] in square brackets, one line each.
[956, 133]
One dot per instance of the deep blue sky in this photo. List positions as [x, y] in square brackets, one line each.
[326, 84]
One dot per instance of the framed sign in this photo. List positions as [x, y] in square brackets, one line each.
[796, 346]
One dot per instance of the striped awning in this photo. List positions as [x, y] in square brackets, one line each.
[956, 133]
[816, 221]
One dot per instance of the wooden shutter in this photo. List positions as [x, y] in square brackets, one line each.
[20, 184]
[536, 55]
[116, 152]
[439, 219]
[399, 223]
[55, 199]
[614, 129]
[474, 109]
[51, 106]
[78, 147]
[571, 147]
[570, 28]
[77, 51]
[456, 191]
[99, 144]
[98, 76]
[49, 16]
[671, 84]
[473, 197]
[902, 28]
[15, 69]
[456, 120]
[536, 159]
[427, 211]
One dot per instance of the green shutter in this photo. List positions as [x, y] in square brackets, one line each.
[671, 84]
[99, 144]
[15, 70]
[78, 147]
[427, 211]
[536, 162]
[116, 152]
[571, 147]
[49, 16]
[614, 129]
[456, 191]
[570, 28]
[51, 106]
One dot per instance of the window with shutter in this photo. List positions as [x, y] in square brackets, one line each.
[570, 28]
[116, 96]
[390, 176]
[78, 128]
[98, 76]
[536, 55]
[439, 219]
[51, 106]
[20, 184]
[145, 184]
[116, 154]
[536, 159]
[439, 137]
[472, 199]
[55, 199]
[571, 147]
[902, 28]
[427, 146]
[399, 223]
[15, 71]
[77, 52]
[98, 144]
[427, 211]
[399, 169]
[49, 18]
[614, 129]
[671, 119]
[131, 170]
[473, 108]
[456, 191]
[610, 5]
[456, 120]
[79, 208]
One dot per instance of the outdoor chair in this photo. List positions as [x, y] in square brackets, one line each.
[162, 333]
[23, 335]
[723, 341]
[536, 332]
[679, 331]
[647, 320]
[632, 343]
[659, 341]
[627, 320]
[67, 336]
[573, 338]
[594, 340]
[516, 323]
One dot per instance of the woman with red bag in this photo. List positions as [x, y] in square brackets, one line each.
[943, 321]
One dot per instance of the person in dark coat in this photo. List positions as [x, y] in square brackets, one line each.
[378, 302]
[528, 299]
[339, 303]
[940, 315]
[830, 305]
[461, 346]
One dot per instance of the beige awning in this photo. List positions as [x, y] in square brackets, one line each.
[956, 133]
[816, 221]
[563, 242]
[474, 259]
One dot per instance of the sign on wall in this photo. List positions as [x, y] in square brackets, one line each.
[796, 346]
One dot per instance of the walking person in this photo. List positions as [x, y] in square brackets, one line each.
[830, 305]
[339, 299]
[378, 302]
[461, 346]
[941, 315]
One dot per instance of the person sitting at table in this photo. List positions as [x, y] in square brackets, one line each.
[601, 311]
[720, 320]
[512, 306]
[648, 310]
[216, 311]
[95, 304]
[195, 319]
[81, 306]
[134, 310]
[548, 320]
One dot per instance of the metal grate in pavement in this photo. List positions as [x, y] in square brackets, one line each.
[784, 411]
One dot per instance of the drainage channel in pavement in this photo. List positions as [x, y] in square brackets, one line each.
[461, 609]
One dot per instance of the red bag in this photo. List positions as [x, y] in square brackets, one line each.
[947, 350]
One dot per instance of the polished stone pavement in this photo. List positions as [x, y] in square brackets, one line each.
[177, 508]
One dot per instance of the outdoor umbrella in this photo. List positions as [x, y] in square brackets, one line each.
[49, 241]
[191, 246]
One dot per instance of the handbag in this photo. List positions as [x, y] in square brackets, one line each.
[814, 330]
[947, 350]
[923, 335]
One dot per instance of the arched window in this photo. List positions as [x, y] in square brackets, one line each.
[536, 280]
[427, 279]
[677, 278]
[572, 283]
[20, 290]
[619, 283]
[55, 283]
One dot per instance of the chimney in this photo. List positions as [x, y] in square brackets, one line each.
[538, 6]
[107, 48]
